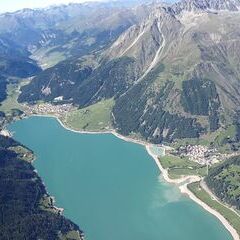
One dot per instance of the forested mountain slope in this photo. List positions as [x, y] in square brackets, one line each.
[224, 181]
[179, 64]
[26, 209]
[14, 62]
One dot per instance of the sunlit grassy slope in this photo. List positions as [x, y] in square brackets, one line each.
[93, 118]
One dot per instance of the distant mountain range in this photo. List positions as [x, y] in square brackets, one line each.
[31, 37]
[172, 69]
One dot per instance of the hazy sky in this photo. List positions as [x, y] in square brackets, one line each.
[13, 5]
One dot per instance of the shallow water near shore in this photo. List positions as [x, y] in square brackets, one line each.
[112, 188]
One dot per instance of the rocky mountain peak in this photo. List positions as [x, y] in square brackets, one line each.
[205, 5]
[145, 42]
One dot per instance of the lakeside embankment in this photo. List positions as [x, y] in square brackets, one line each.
[185, 190]
[182, 182]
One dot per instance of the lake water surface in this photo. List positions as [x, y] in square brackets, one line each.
[111, 188]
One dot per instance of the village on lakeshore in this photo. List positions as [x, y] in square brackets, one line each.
[46, 108]
[200, 154]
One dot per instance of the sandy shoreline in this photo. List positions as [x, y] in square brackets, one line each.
[181, 182]
[184, 189]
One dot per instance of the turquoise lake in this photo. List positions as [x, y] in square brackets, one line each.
[112, 189]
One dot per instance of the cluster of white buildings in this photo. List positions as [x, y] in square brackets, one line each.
[47, 108]
[200, 154]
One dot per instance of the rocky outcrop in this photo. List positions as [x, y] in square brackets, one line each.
[205, 5]
[146, 42]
